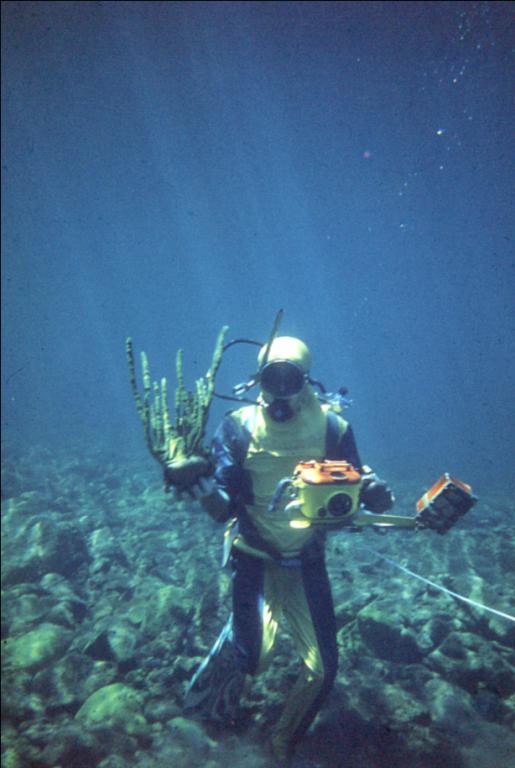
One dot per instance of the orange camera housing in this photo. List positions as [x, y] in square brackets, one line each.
[450, 489]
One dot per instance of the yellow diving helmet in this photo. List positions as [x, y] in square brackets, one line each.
[283, 367]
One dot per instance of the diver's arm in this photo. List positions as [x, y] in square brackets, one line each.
[375, 494]
[377, 498]
[216, 503]
[220, 493]
[212, 498]
[346, 449]
[229, 487]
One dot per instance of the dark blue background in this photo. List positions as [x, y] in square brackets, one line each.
[172, 167]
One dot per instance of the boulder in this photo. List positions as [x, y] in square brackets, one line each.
[25, 605]
[470, 661]
[36, 545]
[116, 642]
[64, 683]
[451, 708]
[105, 550]
[383, 631]
[71, 745]
[116, 707]
[191, 735]
[38, 648]
[157, 606]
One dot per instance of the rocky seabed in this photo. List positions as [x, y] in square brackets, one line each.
[112, 594]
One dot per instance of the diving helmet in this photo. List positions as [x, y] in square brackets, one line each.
[283, 371]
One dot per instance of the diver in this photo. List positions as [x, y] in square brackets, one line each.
[278, 569]
[283, 470]
[277, 559]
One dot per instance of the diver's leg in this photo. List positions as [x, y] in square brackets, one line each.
[256, 610]
[247, 601]
[216, 687]
[308, 607]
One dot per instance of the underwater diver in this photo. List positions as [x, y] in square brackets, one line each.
[278, 569]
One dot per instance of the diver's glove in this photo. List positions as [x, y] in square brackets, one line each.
[214, 499]
[375, 494]
[192, 478]
[184, 474]
[206, 486]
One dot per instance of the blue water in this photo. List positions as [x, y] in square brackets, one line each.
[169, 168]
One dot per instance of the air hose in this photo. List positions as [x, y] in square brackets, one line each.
[439, 586]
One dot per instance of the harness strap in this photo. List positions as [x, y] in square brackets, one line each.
[332, 436]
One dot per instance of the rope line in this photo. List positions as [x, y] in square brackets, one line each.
[440, 587]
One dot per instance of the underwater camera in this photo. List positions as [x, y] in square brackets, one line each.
[444, 503]
[447, 490]
[325, 492]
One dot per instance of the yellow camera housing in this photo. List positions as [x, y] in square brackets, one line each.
[327, 492]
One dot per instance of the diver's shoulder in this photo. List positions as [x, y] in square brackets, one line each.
[337, 418]
[242, 416]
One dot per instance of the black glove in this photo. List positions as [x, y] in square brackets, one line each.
[375, 494]
[183, 474]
